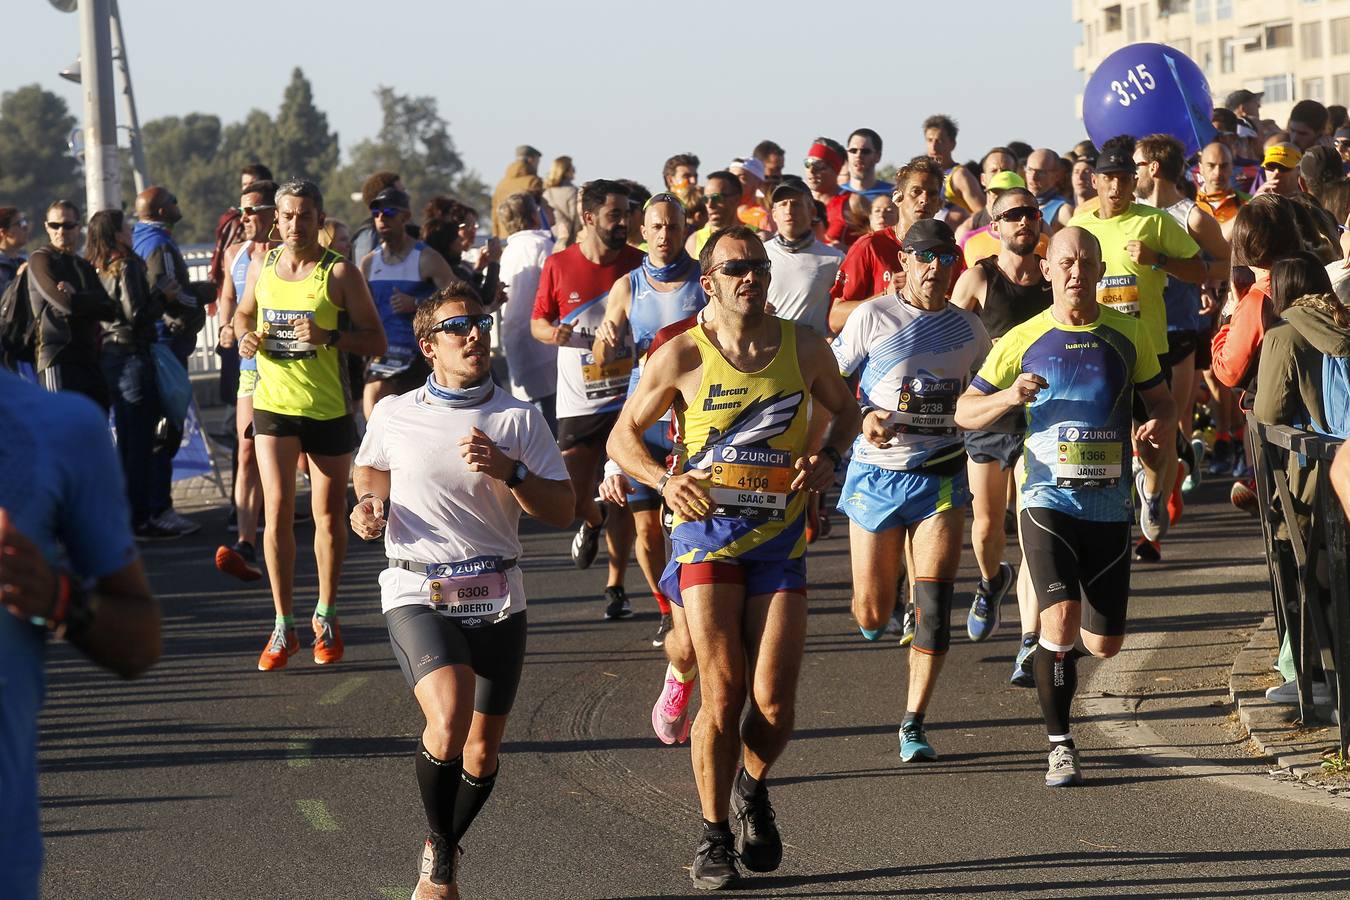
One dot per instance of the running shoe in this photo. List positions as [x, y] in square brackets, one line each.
[1064, 770]
[281, 646]
[1176, 504]
[617, 605]
[170, 520]
[1241, 469]
[714, 863]
[1024, 675]
[151, 530]
[1288, 693]
[586, 542]
[670, 715]
[758, 843]
[239, 561]
[907, 629]
[1152, 514]
[1243, 496]
[327, 640]
[914, 744]
[666, 625]
[440, 865]
[812, 525]
[986, 609]
[1148, 551]
[1196, 475]
[1221, 463]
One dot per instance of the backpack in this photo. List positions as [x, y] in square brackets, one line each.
[18, 325]
[1336, 396]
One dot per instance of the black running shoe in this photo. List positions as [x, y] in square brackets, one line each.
[440, 864]
[714, 865]
[617, 606]
[758, 843]
[586, 542]
[663, 629]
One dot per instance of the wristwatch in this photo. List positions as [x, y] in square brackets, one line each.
[831, 454]
[1162, 262]
[333, 337]
[518, 475]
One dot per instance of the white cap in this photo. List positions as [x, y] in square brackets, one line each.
[749, 164]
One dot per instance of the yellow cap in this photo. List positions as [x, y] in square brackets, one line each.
[1286, 155]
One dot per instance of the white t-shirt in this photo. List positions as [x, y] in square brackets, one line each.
[915, 363]
[439, 511]
[533, 365]
[800, 287]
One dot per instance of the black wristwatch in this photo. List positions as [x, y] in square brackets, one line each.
[518, 475]
[832, 454]
[333, 337]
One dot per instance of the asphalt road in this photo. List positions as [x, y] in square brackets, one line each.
[209, 779]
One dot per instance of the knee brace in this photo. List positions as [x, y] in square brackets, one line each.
[933, 615]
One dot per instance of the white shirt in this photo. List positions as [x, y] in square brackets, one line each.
[915, 363]
[800, 287]
[533, 365]
[439, 511]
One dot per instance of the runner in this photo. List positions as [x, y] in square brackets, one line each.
[961, 192]
[1006, 289]
[741, 385]
[258, 216]
[722, 198]
[824, 161]
[907, 478]
[1075, 514]
[568, 308]
[302, 404]
[664, 289]
[864, 153]
[401, 271]
[1142, 246]
[444, 472]
[804, 269]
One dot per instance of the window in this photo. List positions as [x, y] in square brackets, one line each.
[1313, 90]
[1310, 39]
[1183, 44]
[1202, 11]
[1281, 35]
[1340, 89]
[1204, 55]
[1111, 15]
[1129, 25]
[1340, 36]
[1226, 51]
[1173, 7]
[1223, 9]
[1143, 22]
[1277, 88]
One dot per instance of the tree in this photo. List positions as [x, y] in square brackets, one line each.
[304, 147]
[36, 166]
[183, 155]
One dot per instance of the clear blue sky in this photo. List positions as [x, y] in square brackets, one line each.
[618, 86]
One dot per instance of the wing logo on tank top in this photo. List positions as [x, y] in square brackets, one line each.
[754, 426]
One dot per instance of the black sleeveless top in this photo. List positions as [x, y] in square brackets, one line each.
[1007, 303]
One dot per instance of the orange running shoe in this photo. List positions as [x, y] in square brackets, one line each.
[327, 640]
[238, 561]
[281, 646]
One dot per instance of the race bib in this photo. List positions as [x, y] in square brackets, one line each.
[1088, 457]
[751, 483]
[1120, 292]
[927, 406]
[474, 592]
[278, 334]
[608, 380]
[395, 361]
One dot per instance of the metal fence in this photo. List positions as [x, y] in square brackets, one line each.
[1309, 572]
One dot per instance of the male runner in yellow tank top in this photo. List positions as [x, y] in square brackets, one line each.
[742, 385]
[303, 404]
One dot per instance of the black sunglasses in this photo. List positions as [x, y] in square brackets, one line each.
[387, 212]
[462, 325]
[64, 226]
[253, 210]
[1019, 214]
[927, 256]
[739, 268]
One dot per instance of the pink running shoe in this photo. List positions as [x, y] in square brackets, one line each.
[670, 715]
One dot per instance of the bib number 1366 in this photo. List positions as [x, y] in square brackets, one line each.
[1139, 79]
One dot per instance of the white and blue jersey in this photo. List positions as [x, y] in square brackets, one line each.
[386, 279]
[915, 364]
[239, 275]
[651, 310]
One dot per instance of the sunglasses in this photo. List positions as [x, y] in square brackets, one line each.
[739, 268]
[254, 210]
[1020, 214]
[718, 198]
[63, 226]
[1276, 167]
[927, 256]
[812, 164]
[385, 212]
[462, 325]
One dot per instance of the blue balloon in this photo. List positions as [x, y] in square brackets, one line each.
[1149, 89]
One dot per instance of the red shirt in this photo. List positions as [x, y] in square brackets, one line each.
[570, 282]
[866, 269]
[837, 229]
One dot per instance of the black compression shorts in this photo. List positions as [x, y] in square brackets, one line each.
[592, 430]
[318, 437]
[424, 641]
[1073, 559]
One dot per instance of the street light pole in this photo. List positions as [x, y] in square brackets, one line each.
[102, 179]
[139, 170]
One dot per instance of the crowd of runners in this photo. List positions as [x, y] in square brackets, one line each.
[711, 378]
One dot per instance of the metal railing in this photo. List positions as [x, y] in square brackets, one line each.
[1309, 563]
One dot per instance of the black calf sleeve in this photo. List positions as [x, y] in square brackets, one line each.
[1056, 681]
[933, 615]
[473, 793]
[438, 781]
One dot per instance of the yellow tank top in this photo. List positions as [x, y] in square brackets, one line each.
[950, 195]
[296, 378]
[748, 429]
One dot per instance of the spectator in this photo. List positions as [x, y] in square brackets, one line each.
[681, 173]
[69, 304]
[13, 238]
[1319, 168]
[1320, 232]
[1336, 118]
[751, 211]
[520, 176]
[336, 236]
[128, 364]
[455, 235]
[883, 213]
[1307, 124]
[1084, 164]
[561, 195]
[63, 519]
[771, 155]
[533, 366]
[1279, 164]
[365, 239]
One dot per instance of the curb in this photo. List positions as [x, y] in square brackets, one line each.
[1274, 728]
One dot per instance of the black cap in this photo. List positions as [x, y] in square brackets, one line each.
[1237, 98]
[1114, 161]
[790, 186]
[929, 234]
[391, 198]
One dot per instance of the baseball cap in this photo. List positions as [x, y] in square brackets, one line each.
[929, 234]
[1286, 155]
[827, 155]
[790, 186]
[1343, 132]
[751, 165]
[391, 198]
[525, 150]
[1004, 181]
[1114, 161]
[1237, 98]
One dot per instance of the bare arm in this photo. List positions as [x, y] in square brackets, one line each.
[970, 289]
[969, 188]
[348, 290]
[226, 303]
[246, 313]
[655, 393]
[976, 410]
[840, 310]
[369, 516]
[830, 392]
[430, 265]
[1159, 431]
[1209, 235]
[609, 336]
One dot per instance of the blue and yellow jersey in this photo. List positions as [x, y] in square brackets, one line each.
[748, 429]
[1077, 449]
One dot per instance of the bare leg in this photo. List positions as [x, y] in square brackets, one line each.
[937, 556]
[714, 614]
[619, 536]
[989, 490]
[277, 458]
[247, 482]
[581, 461]
[775, 637]
[328, 499]
[876, 569]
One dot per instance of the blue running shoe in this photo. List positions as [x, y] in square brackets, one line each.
[985, 610]
[1023, 675]
[914, 744]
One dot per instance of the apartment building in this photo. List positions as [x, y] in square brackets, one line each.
[1289, 49]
